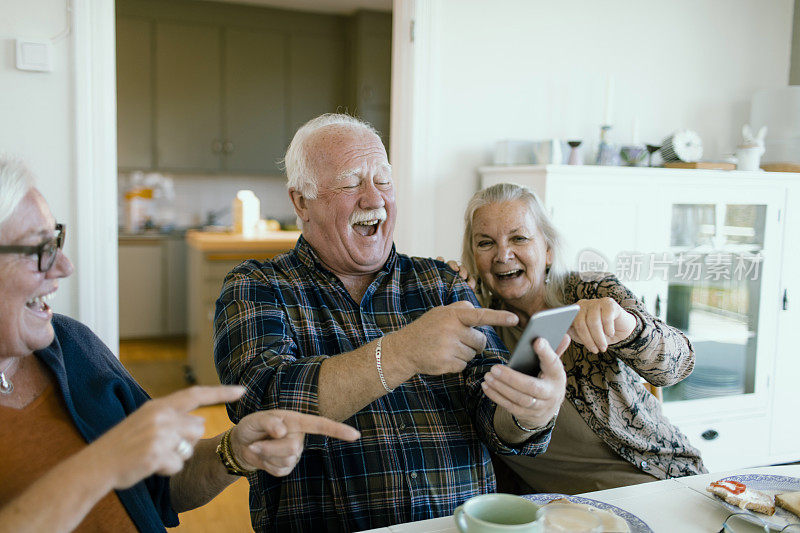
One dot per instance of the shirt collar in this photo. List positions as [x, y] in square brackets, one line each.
[309, 257]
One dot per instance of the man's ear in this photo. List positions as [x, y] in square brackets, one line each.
[300, 204]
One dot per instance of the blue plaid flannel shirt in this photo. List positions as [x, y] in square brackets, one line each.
[424, 447]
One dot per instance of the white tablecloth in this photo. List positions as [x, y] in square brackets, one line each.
[667, 506]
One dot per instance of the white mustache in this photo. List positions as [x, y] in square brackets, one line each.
[372, 214]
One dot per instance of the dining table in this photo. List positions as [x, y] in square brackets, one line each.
[670, 505]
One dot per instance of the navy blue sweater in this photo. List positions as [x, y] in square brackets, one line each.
[99, 393]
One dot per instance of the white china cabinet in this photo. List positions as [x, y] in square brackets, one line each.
[709, 252]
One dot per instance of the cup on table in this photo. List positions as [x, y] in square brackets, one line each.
[496, 513]
[563, 518]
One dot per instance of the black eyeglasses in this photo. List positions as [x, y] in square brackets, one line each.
[46, 252]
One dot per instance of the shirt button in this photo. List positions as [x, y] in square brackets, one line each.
[413, 475]
[402, 425]
[643, 464]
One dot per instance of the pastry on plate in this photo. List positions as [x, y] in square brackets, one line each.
[789, 501]
[738, 494]
[610, 521]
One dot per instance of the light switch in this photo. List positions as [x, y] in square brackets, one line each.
[34, 55]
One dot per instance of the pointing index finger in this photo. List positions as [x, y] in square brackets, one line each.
[189, 399]
[304, 423]
[486, 317]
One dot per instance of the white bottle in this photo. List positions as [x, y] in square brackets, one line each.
[246, 213]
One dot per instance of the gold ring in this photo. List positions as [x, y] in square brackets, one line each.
[184, 449]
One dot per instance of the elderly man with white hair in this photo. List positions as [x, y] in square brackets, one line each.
[345, 327]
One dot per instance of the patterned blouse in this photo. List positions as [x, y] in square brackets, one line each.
[606, 388]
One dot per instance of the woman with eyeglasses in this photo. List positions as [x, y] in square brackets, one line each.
[84, 448]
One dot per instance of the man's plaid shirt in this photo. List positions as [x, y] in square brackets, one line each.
[421, 452]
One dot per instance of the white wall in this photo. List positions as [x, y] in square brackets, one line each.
[197, 195]
[535, 69]
[36, 119]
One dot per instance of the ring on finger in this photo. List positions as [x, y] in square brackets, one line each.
[532, 402]
[184, 449]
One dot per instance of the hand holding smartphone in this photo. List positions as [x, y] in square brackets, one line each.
[551, 324]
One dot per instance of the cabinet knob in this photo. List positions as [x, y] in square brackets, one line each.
[710, 434]
[227, 147]
[785, 305]
[216, 146]
[658, 305]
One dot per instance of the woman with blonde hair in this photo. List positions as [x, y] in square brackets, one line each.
[610, 430]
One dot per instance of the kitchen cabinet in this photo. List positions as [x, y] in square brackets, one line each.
[152, 286]
[211, 257]
[371, 69]
[255, 100]
[316, 77]
[785, 432]
[188, 96]
[134, 93]
[707, 252]
[212, 88]
[210, 121]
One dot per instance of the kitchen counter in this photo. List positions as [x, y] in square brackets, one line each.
[211, 256]
[229, 242]
[148, 237]
[152, 284]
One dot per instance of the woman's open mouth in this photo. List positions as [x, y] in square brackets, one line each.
[511, 274]
[39, 305]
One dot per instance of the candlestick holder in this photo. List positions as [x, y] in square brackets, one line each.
[607, 153]
[574, 153]
[651, 149]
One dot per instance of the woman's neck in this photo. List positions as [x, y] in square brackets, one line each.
[30, 378]
[9, 365]
[525, 308]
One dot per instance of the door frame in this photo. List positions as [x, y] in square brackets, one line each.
[413, 85]
[95, 166]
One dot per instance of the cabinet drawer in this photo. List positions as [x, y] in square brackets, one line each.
[217, 264]
[730, 444]
[215, 271]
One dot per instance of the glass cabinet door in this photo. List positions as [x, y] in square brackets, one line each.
[714, 287]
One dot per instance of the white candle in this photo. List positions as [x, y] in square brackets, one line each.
[608, 108]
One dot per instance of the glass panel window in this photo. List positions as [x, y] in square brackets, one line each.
[693, 225]
[713, 295]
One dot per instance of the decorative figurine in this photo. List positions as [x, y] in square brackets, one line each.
[748, 154]
[607, 153]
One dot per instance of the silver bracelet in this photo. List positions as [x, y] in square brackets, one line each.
[380, 368]
[523, 428]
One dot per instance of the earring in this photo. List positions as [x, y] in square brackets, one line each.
[547, 274]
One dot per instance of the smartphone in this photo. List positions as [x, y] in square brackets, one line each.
[551, 324]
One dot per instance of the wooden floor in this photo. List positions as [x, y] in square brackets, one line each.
[158, 366]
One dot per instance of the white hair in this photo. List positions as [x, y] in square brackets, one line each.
[15, 182]
[298, 166]
[509, 192]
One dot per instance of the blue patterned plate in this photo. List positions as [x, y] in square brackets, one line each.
[636, 524]
[768, 484]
